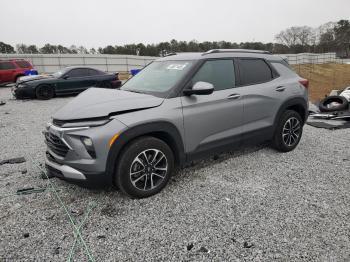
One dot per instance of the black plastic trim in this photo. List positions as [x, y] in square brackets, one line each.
[143, 130]
[215, 147]
[296, 101]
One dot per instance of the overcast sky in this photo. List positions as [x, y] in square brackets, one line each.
[94, 23]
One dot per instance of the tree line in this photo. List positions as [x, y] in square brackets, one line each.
[329, 37]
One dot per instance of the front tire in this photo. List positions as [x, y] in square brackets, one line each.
[288, 131]
[44, 92]
[144, 168]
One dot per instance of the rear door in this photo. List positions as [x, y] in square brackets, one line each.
[7, 72]
[213, 120]
[96, 77]
[263, 92]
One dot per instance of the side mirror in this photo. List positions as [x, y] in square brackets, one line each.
[200, 88]
[65, 77]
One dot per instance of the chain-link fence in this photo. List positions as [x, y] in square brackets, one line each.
[325, 72]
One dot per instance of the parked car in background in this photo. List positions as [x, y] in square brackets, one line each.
[177, 109]
[70, 80]
[11, 70]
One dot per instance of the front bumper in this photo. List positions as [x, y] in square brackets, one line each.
[65, 171]
[67, 157]
[22, 92]
[75, 176]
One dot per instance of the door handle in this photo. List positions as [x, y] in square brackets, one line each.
[234, 96]
[280, 88]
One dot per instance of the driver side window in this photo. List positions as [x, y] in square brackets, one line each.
[79, 72]
[220, 73]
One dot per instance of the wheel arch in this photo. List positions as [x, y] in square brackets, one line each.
[45, 84]
[296, 104]
[162, 130]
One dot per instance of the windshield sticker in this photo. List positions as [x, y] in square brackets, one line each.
[177, 66]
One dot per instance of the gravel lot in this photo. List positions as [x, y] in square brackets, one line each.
[254, 204]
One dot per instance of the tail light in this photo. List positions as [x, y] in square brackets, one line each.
[304, 82]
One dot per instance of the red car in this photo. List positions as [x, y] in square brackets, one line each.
[11, 70]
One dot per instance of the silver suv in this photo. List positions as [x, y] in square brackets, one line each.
[178, 108]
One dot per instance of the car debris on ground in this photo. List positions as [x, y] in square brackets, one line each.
[16, 160]
[332, 112]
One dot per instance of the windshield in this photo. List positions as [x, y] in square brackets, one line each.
[59, 73]
[158, 77]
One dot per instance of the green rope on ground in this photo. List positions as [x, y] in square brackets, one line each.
[86, 216]
[75, 229]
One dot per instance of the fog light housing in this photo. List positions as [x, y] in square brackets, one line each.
[89, 146]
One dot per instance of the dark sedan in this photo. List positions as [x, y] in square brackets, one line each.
[70, 80]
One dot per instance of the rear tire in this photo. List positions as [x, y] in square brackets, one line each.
[44, 92]
[288, 131]
[144, 167]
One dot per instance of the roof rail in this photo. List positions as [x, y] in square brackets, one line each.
[212, 51]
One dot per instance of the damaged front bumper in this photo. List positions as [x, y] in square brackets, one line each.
[79, 154]
[22, 92]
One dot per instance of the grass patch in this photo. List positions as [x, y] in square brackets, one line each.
[324, 78]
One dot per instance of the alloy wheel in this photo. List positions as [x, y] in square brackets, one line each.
[148, 169]
[291, 132]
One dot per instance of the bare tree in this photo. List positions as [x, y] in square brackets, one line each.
[296, 35]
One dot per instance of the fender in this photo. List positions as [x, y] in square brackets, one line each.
[296, 101]
[153, 128]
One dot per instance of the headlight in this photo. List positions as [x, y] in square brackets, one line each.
[21, 86]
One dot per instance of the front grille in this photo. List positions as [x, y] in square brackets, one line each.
[56, 145]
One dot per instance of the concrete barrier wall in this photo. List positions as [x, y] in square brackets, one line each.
[50, 63]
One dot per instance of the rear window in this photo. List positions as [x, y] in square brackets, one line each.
[7, 66]
[93, 72]
[23, 64]
[254, 71]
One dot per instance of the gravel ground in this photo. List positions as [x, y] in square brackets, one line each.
[250, 205]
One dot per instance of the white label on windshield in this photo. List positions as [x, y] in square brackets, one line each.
[177, 66]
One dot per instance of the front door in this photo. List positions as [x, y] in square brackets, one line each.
[214, 120]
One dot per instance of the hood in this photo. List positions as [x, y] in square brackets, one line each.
[100, 102]
[24, 79]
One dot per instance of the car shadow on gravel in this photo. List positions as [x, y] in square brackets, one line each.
[179, 176]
